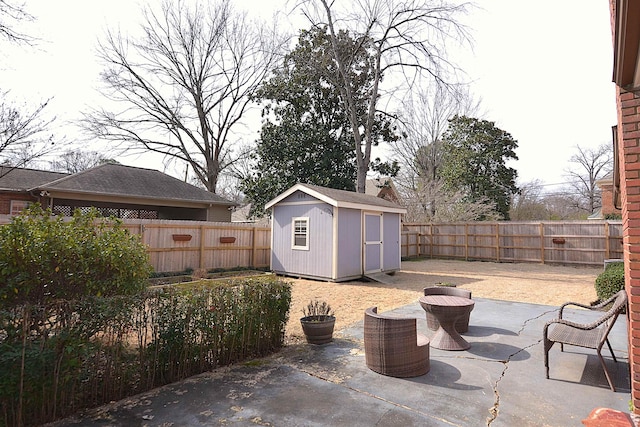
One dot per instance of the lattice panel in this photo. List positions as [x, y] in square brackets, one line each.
[63, 210]
[147, 214]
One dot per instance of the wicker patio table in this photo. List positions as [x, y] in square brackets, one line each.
[447, 309]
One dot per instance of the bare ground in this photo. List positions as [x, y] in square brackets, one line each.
[531, 283]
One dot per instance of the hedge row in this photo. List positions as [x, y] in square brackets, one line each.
[62, 356]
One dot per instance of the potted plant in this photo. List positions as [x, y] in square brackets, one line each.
[318, 322]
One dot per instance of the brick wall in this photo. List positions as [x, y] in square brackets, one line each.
[629, 156]
[608, 206]
[628, 136]
[6, 198]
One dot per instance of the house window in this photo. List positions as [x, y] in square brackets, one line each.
[301, 233]
[18, 206]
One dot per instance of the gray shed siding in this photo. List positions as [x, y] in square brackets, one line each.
[337, 238]
[315, 262]
[391, 241]
[349, 260]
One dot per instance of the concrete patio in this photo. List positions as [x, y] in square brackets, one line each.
[499, 381]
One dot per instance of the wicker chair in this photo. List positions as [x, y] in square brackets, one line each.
[462, 324]
[393, 347]
[591, 335]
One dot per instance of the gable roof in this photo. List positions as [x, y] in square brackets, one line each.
[19, 179]
[127, 181]
[382, 187]
[341, 199]
[241, 214]
[374, 185]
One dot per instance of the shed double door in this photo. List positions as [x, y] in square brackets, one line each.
[372, 242]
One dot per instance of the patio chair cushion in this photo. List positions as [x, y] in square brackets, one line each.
[587, 335]
[462, 324]
[392, 345]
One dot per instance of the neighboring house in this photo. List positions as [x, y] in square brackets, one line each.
[15, 184]
[610, 198]
[116, 190]
[382, 187]
[333, 235]
[241, 214]
[625, 16]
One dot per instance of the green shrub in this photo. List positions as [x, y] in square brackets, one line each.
[610, 281]
[45, 257]
[95, 350]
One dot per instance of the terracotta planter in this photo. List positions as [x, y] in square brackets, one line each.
[318, 331]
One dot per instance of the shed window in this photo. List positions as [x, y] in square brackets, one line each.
[301, 233]
[18, 206]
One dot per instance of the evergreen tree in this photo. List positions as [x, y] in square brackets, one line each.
[475, 157]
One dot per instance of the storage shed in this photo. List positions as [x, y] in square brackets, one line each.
[333, 235]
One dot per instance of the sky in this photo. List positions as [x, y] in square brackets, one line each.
[542, 71]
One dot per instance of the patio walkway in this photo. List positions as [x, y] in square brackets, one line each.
[499, 381]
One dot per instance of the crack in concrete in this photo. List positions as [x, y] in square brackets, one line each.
[494, 410]
[544, 313]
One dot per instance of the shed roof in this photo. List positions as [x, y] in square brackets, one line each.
[341, 199]
[127, 181]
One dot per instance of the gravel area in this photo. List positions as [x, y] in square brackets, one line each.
[531, 283]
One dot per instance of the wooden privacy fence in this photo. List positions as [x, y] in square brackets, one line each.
[584, 242]
[181, 245]
[175, 246]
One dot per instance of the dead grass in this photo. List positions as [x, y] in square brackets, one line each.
[531, 283]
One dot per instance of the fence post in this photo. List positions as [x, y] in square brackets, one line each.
[430, 240]
[607, 249]
[466, 242]
[254, 248]
[497, 242]
[202, 246]
[542, 242]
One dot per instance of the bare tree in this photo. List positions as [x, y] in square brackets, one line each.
[561, 206]
[529, 203]
[430, 202]
[74, 161]
[588, 166]
[11, 14]
[424, 119]
[184, 87]
[24, 134]
[408, 36]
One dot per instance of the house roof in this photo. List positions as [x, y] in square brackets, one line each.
[381, 187]
[605, 180]
[241, 214]
[20, 179]
[626, 50]
[374, 185]
[341, 198]
[127, 181]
